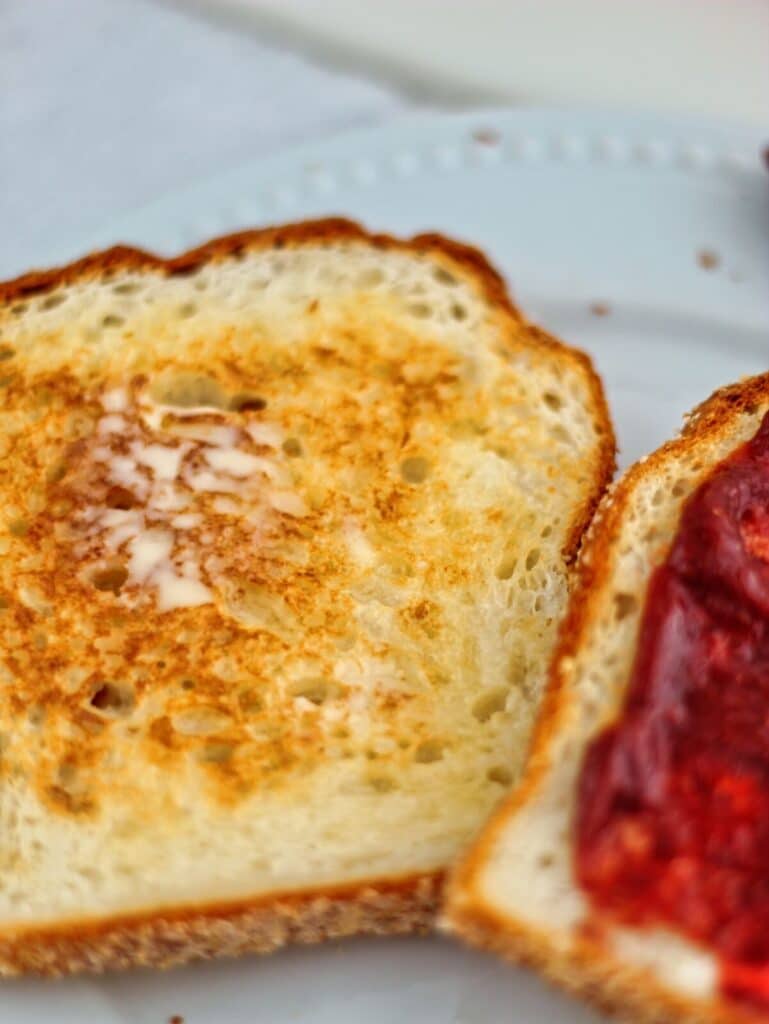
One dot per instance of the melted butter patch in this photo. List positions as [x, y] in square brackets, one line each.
[112, 425]
[212, 482]
[233, 461]
[267, 434]
[166, 469]
[180, 591]
[115, 400]
[163, 460]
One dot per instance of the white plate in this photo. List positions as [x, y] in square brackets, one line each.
[576, 209]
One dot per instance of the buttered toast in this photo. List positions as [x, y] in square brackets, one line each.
[287, 525]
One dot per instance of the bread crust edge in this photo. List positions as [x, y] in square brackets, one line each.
[168, 938]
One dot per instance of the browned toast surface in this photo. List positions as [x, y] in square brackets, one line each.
[264, 508]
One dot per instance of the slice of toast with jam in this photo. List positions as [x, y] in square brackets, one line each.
[630, 864]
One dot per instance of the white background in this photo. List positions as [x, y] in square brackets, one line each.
[692, 56]
[107, 104]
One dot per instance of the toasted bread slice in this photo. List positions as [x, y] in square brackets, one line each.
[286, 532]
[515, 892]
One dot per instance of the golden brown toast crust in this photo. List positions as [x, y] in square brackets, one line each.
[588, 969]
[262, 924]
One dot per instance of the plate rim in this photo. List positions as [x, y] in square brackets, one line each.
[641, 140]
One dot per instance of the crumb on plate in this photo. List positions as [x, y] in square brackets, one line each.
[708, 259]
[487, 137]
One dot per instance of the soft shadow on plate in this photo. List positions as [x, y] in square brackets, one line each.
[369, 981]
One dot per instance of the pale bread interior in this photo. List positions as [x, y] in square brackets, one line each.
[521, 874]
[384, 717]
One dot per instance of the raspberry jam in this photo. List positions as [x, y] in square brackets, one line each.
[672, 824]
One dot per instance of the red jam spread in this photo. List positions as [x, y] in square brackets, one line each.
[672, 823]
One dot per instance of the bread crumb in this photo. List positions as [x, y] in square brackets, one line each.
[487, 137]
[600, 308]
[708, 259]
[176, 1019]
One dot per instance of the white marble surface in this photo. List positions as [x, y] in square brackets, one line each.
[107, 104]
